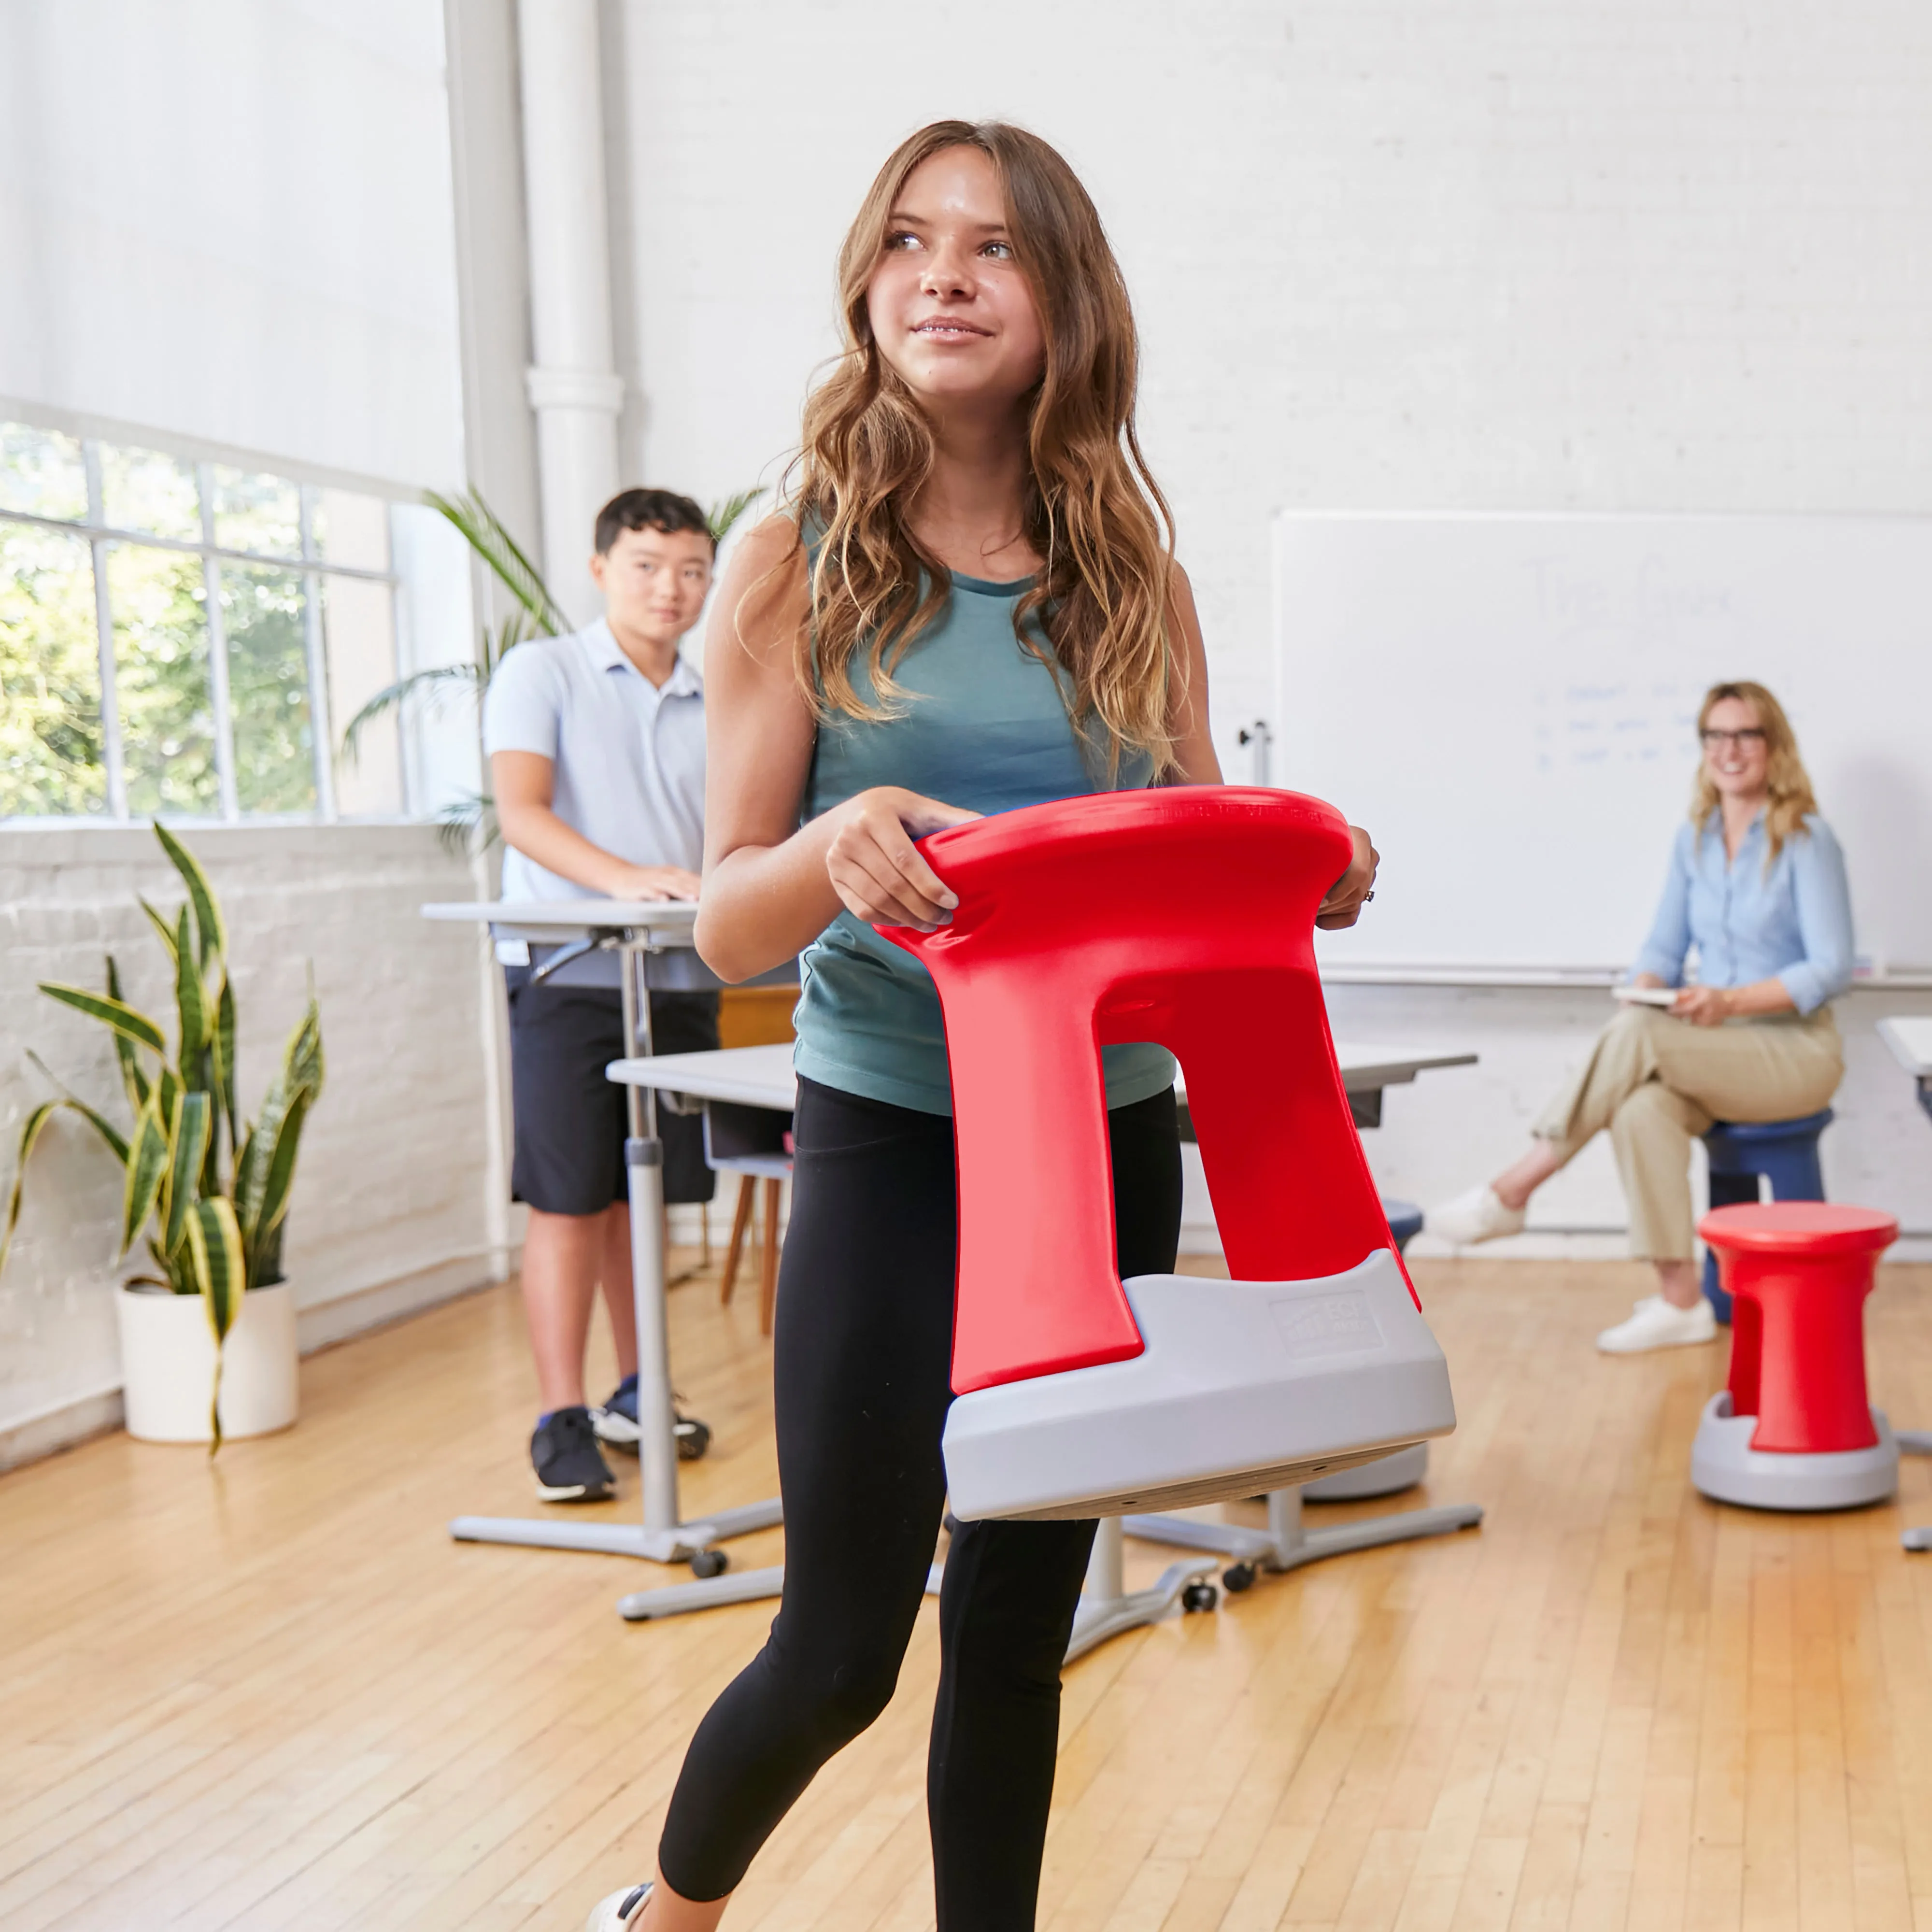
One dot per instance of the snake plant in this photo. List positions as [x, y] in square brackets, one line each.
[213, 1224]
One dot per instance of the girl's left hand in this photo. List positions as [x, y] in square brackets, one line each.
[1702, 1006]
[1352, 891]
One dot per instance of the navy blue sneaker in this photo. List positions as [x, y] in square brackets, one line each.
[564, 1452]
[616, 1425]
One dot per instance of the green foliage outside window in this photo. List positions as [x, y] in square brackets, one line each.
[160, 651]
[261, 612]
[50, 752]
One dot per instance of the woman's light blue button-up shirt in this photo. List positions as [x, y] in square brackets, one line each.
[1791, 922]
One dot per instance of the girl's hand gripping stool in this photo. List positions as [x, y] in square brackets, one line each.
[1186, 916]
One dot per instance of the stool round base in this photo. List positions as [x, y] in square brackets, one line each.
[1382, 1477]
[1724, 1466]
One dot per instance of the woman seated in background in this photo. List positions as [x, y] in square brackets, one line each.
[1757, 885]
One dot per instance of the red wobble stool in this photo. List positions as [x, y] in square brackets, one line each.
[1185, 916]
[1794, 1430]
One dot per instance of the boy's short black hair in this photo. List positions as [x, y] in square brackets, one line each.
[662, 510]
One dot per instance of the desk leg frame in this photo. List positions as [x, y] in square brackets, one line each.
[1916, 1441]
[1287, 1543]
[1107, 1608]
[662, 1537]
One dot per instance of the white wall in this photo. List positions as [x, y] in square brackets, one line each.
[1608, 254]
[233, 221]
[1438, 254]
[389, 1210]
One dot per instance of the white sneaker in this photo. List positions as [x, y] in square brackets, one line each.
[1655, 1323]
[1477, 1216]
[619, 1912]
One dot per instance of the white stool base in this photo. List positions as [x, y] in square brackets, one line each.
[1386, 1478]
[1725, 1467]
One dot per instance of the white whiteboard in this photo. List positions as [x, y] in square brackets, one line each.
[1509, 704]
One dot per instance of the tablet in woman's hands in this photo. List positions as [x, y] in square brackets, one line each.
[1646, 996]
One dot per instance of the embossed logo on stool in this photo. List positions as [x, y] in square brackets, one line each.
[1327, 1324]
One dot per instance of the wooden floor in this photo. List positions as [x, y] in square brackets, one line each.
[272, 1693]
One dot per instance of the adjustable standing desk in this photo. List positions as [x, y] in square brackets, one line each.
[1910, 1040]
[762, 1076]
[638, 932]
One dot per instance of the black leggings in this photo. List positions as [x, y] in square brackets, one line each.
[863, 1364]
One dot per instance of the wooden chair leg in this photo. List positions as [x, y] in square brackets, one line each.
[768, 1285]
[740, 1221]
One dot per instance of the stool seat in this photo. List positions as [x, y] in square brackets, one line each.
[1761, 1133]
[1795, 1429]
[1795, 1227]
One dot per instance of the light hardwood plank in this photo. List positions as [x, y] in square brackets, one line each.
[270, 1696]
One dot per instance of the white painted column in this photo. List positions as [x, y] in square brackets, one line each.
[574, 389]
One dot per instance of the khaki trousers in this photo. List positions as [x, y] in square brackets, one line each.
[1654, 1081]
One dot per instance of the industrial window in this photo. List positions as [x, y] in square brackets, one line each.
[186, 638]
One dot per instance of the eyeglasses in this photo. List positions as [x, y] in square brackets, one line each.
[1751, 734]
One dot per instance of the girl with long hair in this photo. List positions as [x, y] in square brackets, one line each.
[1757, 884]
[972, 605]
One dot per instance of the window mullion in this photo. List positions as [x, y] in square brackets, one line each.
[218, 648]
[103, 625]
[321, 730]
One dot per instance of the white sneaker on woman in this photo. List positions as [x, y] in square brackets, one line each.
[1477, 1216]
[620, 1911]
[1655, 1323]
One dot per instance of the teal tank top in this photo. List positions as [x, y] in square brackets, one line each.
[982, 727]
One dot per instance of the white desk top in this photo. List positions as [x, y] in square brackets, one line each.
[557, 922]
[761, 1076]
[1910, 1040]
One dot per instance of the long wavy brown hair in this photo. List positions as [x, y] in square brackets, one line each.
[1791, 800]
[1091, 508]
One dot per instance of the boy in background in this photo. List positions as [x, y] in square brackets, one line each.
[596, 749]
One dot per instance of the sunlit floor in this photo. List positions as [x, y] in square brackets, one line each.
[270, 1692]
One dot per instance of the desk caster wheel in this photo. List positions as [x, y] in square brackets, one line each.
[1238, 1576]
[709, 1563]
[693, 1438]
[1199, 1597]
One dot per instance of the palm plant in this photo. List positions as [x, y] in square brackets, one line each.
[534, 613]
[214, 1228]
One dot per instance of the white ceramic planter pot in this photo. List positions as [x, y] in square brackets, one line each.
[167, 1364]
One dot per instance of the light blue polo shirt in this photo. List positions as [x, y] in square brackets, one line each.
[629, 759]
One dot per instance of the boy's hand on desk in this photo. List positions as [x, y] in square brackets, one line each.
[651, 882]
[1349, 893]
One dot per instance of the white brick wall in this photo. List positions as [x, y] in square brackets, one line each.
[1432, 254]
[1453, 254]
[391, 1206]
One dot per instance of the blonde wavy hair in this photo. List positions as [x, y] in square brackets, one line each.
[1091, 508]
[1791, 795]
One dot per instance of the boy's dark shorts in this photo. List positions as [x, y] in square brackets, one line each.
[570, 1120]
